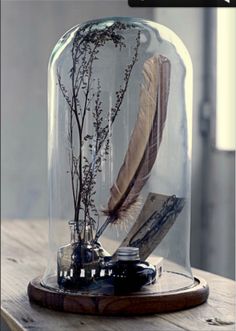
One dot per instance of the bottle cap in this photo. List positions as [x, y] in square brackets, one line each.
[127, 253]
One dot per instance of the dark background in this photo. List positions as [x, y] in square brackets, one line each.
[181, 3]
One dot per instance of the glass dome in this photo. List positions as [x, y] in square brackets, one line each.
[119, 154]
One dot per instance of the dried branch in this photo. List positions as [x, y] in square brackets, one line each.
[86, 46]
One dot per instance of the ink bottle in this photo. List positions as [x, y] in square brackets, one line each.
[78, 263]
[129, 273]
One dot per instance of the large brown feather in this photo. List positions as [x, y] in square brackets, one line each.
[144, 142]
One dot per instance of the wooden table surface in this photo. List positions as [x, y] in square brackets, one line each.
[24, 256]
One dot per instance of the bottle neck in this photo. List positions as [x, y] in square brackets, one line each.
[86, 236]
[73, 232]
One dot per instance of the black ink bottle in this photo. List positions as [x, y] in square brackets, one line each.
[129, 274]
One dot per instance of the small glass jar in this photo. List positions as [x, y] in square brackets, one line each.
[78, 263]
[129, 273]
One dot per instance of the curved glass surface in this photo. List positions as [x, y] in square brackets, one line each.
[119, 151]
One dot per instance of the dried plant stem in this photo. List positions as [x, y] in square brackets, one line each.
[83, 170]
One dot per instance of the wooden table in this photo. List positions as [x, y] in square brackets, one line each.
[24, 256]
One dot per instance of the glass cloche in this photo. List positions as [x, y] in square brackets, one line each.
[119, 159]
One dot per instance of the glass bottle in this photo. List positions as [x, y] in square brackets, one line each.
[78, 263]
[129, 273]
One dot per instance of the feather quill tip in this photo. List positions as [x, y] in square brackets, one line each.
[124, 214]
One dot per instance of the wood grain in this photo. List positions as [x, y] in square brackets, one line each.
[110, 304]
[24, 256]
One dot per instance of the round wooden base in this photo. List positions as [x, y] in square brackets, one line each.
[131, 304]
